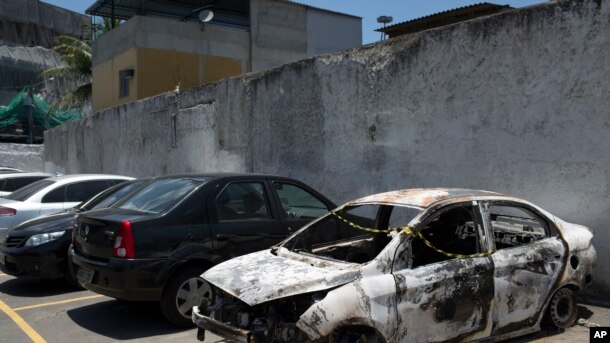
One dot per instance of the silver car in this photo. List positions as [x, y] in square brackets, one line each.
[51, 195]
[10, 182]
[4, 169]
[417, 265]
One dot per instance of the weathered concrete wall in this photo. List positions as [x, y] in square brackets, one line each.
[516, 103]
[22, 156]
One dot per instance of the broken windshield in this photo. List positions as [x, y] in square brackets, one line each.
[353, 234]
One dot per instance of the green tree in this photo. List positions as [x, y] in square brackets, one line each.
[76, 56]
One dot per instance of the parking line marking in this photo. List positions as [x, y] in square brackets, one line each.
[23, 325]
[57, 302]
[2, 274]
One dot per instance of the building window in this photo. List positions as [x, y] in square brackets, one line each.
[124, 76]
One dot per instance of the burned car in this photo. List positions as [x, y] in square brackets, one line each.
[417, 265]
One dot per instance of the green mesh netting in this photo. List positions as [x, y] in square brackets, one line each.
[44, 116]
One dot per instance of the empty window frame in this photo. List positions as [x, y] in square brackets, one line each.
[454, 231]
[515, 226]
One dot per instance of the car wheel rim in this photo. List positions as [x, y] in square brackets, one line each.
[190, 293]
[562, 308]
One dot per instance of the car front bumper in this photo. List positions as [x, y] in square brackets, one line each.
[230, 333]
[45, 261]
[131, 280]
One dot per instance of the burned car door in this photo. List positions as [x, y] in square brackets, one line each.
[528, 259]
[441, 297]
[243, 219]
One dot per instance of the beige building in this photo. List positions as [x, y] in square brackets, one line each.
[162, 45]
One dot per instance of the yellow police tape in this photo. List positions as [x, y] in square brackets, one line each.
[409, 231]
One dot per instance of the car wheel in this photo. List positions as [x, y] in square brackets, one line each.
[185, 290]
[561, 312]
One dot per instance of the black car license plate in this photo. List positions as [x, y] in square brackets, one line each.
[85, 275]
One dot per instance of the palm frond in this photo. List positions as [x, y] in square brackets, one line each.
[61, 70]
[76, 55]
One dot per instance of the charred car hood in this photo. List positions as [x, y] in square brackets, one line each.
[262, 276]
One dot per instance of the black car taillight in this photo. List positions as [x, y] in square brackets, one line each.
[124, 246]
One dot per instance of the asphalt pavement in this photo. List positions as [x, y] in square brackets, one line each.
[51, 311]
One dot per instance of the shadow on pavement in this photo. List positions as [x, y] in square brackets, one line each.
[121, 320]
[584, 312]
[36, 288]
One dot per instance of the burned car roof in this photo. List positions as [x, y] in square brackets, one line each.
[423, 197]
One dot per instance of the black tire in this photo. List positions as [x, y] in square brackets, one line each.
[176, 305]
[562, 310]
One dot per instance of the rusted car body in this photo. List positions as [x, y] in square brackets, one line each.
[470, 265]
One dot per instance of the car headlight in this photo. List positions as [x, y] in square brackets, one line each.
[43, 238]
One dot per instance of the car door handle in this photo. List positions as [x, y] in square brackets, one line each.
[222, 238]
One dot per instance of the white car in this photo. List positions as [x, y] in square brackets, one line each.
[10, 182]
[417, 265]
[51, 195]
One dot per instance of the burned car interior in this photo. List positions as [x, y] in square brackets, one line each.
[343, 236]
[514, 226]
[452, 231]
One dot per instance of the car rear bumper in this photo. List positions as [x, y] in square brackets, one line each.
[46, 261]
[132, 280]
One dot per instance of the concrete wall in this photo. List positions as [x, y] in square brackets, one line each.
[22, 156]
[515, 103]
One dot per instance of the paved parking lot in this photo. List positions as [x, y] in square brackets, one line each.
[53, 312]
[42, 311]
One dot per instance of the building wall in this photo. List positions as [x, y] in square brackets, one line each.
[106, 80]
[165, 53]
[280, 32]
[27, 32]
[22, 156]
[515, 103]
[216, 68]
[159, 71]
[284, 32]
[330, 32]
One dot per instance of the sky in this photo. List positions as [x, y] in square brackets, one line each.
[369, 10]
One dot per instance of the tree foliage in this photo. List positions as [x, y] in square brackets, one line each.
[76, 56]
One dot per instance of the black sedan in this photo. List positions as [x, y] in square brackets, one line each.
[154, 244]
[38, 248]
